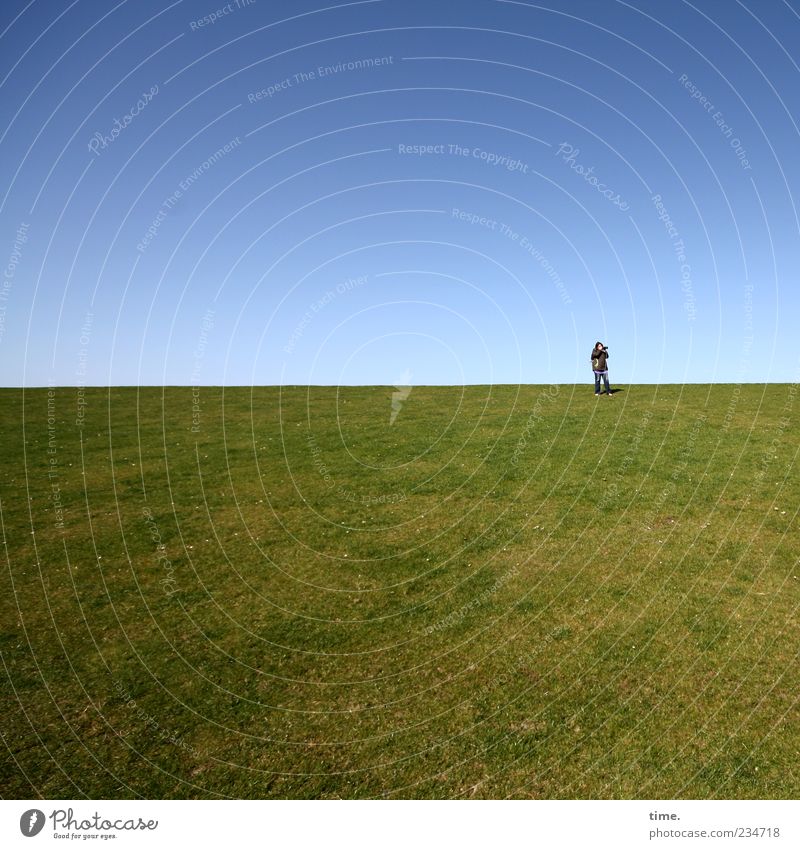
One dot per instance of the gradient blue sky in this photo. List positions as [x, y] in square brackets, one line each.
[244, 278]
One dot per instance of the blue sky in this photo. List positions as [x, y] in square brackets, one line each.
[398, 192]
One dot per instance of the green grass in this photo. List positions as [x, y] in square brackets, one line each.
[432, 608]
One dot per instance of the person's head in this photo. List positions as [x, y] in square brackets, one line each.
[598, 346]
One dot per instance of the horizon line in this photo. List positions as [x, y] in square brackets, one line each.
[368, 385]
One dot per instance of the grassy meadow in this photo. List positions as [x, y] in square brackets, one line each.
[505, 591]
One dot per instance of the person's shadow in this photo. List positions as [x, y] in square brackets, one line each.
[615, 390]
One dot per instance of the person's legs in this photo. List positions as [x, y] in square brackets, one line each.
[597, 383]
[605, 380]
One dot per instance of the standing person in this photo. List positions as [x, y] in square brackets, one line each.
[600, 367]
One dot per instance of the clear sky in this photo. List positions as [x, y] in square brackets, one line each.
[395, 191]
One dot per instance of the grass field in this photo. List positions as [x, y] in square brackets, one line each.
[508, 591]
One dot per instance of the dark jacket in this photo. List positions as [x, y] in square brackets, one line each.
[601, 357]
